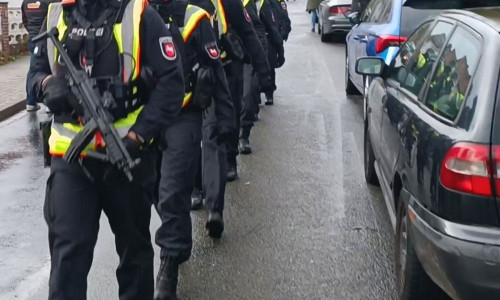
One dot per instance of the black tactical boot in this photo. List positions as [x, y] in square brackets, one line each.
[215, 225]
[196, 199]
[232, 172]
[166, 281]
[269, 99]
[244, 146]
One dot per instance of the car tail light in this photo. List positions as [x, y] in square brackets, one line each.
[339, 10]
[467, 168]
[386, 41]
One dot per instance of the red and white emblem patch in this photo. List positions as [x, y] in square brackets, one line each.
[212, 51]
[247, 16]
[168, 48]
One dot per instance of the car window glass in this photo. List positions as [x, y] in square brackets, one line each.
[448, 86]
[385, 15]
[424, 59]
[377, 12]
[407, 51]
[367, 13]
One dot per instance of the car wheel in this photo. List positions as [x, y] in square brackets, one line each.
[365, 97]
[350, 89]
[369, 158]
[412, 280]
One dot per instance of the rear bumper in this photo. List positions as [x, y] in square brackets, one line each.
[336, 25]
[463, 260]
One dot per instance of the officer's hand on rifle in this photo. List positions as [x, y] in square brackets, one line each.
[58, 97]
[134, 144]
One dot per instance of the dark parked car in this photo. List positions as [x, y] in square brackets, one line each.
[432, 142]
[333, 19]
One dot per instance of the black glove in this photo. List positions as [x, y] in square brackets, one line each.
[281, 60]
[266, 83]
[134, 148]
[58, 98]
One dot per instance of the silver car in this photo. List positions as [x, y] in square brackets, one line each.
[333, 20]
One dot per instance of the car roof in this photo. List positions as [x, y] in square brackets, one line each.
[490, 15]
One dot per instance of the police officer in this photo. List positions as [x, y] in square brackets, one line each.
[113, 41]
[252, 90]
[33, 14]
[238, 42]
[204, 79]
[283, 22]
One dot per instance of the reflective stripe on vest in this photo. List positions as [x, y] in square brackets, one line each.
[245, 3]
[193, 16]
[127, 35]
[220, 17]
[259, 4]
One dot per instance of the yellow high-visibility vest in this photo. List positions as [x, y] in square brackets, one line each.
[192, 18]
[127, 36]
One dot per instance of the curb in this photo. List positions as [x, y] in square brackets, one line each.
[12, 110]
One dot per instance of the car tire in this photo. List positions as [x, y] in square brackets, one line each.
[369, 158]
[350, 88]
[412, 281]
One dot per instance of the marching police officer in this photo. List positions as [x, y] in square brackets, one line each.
[204, 80]
[252, 87]
[283, 22]
[113, 41]
[238, 42]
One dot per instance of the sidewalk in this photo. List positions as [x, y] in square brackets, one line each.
[13, 87]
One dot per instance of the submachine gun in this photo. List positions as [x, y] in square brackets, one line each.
[96, 116]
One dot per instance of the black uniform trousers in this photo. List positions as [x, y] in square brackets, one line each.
[75, 196]
[251, 100]
[234, 75]
[214, 163]
[272, 57]
[180, 159]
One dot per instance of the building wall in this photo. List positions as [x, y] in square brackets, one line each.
[13, 35]
[17, 32]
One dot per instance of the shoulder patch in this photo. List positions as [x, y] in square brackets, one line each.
[34, 5]
[247, 15]
[212, 50]
[168, 48]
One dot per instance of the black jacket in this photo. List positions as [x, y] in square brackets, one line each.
[280, 12]
[201, 48]
[267, 17]
[259, 26]
[240, 23]
[165, 101]
[33, 14]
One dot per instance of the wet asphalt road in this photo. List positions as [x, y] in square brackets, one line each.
[300, 222]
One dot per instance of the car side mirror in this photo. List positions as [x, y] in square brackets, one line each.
[354, 18]
[370, 66]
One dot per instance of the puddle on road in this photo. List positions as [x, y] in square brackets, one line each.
[7, 159]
